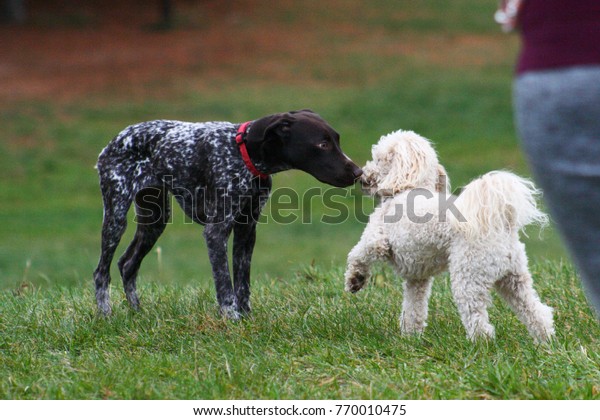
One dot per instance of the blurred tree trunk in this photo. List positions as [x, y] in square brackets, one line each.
[12, 11]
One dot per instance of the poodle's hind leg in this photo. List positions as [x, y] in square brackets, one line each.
[518, 291]
[471, 291]
[414, 305]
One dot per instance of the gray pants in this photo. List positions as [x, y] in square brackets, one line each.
[558, 119]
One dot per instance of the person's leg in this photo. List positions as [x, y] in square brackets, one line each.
[558, 119]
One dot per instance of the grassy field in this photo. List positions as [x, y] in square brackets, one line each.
[443, 70]
[305, 340]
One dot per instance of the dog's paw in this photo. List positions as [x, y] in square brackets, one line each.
[104, 310]
[231, 313]
[482, 334]
[134, 301]
[410, 326]
[542, 327]
[355, 283]
[103, 303]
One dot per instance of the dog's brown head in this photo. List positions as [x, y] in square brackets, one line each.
[302, 140]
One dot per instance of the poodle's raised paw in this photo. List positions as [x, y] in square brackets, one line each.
[355, 282]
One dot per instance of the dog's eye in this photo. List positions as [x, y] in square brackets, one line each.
[323, 144]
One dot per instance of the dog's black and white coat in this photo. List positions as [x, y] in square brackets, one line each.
[201, 165]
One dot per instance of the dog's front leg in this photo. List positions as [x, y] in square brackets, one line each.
[358, 269]
[216, 236]
[372, 247]
[413, 319]
[243, 244]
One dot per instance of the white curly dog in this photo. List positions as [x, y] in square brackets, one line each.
[422, 231]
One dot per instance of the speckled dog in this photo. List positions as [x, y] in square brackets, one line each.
[219, 173]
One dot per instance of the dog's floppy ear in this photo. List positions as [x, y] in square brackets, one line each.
[271, 128]
[409, 162]
[279, 127]
[405, 165]
[399, 176]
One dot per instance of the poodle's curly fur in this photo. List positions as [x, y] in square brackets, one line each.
[422, 231]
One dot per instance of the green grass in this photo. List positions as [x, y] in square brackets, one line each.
[441, 69]
[306, 339]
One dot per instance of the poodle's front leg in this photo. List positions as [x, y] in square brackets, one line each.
[357, 271]
[414, 305]
[369, 249]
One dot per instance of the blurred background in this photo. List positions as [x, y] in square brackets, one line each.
[74, 73]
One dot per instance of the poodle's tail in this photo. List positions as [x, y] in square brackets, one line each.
[495, 204]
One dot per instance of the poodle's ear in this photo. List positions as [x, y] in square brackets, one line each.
[405, 161]
[443, 182]
[395, 179]
[407, 169]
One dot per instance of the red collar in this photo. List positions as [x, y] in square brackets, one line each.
[240, 139]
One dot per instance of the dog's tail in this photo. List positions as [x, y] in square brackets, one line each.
[496, 204]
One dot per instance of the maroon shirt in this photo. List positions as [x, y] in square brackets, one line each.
[559, 33]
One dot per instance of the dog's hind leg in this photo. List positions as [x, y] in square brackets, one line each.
[518, 291]
[414, 305]
[114, 223]
[471, 290]
[152, 215]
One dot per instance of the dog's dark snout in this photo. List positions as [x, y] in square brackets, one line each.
[357, 172]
